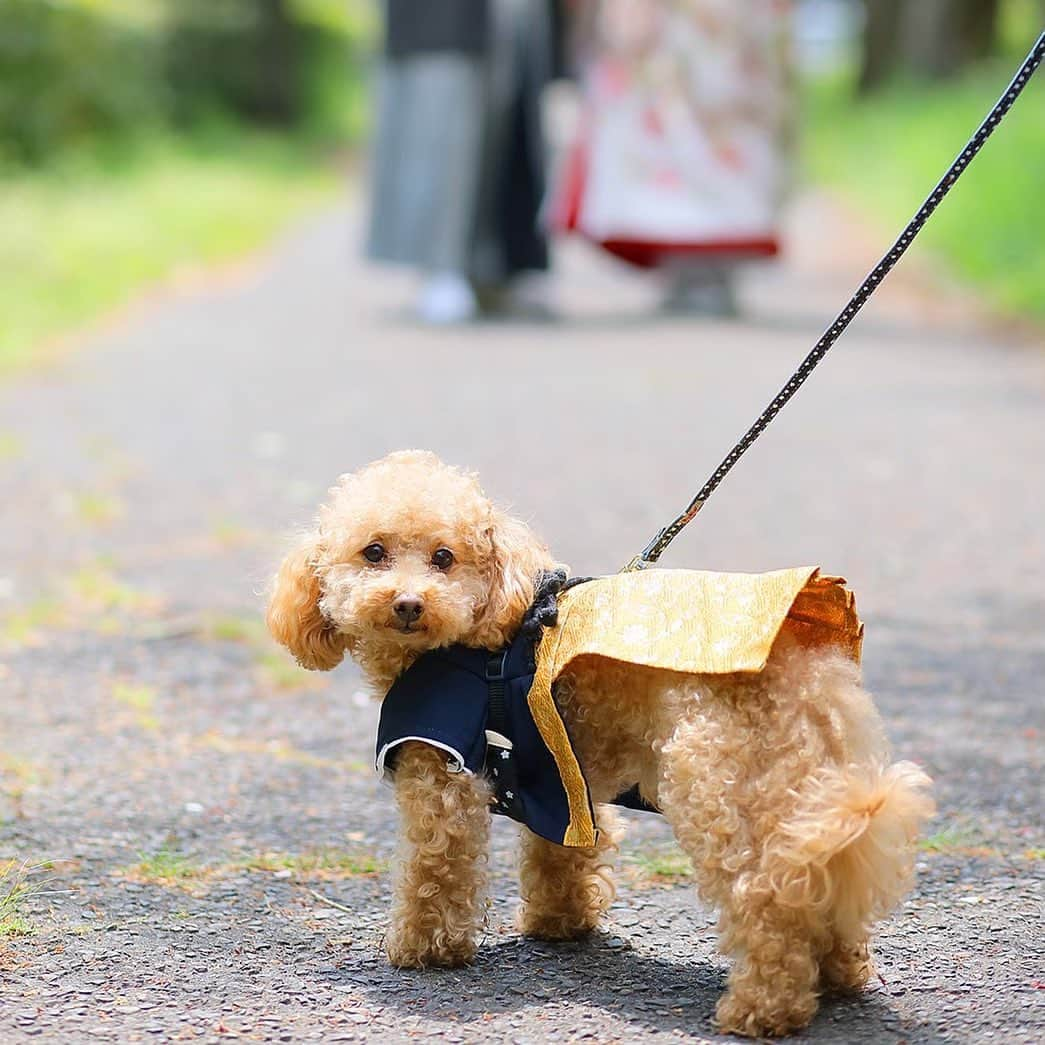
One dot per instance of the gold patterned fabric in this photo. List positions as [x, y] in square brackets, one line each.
[688, 621]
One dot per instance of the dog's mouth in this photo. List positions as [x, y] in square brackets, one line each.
[412, 628]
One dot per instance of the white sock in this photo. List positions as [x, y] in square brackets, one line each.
[447, 297]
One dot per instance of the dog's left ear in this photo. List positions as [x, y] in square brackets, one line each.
[294, 618]
[516, 559]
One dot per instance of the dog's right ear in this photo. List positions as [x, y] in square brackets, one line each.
[294, 618]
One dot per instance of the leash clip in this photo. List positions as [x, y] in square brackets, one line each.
[642, 561]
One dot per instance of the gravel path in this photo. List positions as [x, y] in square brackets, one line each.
[216, 844]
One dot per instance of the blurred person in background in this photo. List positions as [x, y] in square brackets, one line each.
[459, 157]
[680, 159]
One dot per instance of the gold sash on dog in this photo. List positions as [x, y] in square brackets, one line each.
[686, 621]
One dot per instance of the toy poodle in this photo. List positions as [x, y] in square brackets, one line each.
[777, 783]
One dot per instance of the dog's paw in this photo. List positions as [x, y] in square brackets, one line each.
[847, 967]
[413, 950]
[765, 1017]
[545, 925]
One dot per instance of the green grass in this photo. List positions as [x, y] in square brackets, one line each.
[887, 152]
[316, 863]
[237, 628]
[947, 839]
[97, 509]
[24, 626]
[278, 671]
[10, 446]
[97, 588]
[19, 774]
[141, 701]
[83, 236]
[166, 866]
[92, 597]
[14, 887]
[275, 667]
[172, 868]
[664, 865]
[961, 839]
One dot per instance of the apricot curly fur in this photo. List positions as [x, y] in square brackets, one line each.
[294, 619]
[440, 886]
[566, 891]
[778, 785]
[801, 834]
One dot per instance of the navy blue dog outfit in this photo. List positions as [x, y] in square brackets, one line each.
[471, 703]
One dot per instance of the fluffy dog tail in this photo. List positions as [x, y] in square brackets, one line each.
[847, 851]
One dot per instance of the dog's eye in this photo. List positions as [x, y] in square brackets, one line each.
[374, 552]
[443, 558]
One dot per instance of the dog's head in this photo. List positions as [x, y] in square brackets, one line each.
[408, 555]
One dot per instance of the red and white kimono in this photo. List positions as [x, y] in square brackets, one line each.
[682, 146]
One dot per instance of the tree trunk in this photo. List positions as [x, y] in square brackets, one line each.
[276, 80]
[930, 39]
[941, 37]
[880, 42]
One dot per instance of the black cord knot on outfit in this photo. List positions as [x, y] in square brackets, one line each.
[544, 610]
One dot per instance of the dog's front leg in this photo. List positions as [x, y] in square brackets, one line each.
[440, 892]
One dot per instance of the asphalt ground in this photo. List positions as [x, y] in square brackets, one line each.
[206, 842]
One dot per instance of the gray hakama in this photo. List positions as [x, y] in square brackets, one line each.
[458, 172]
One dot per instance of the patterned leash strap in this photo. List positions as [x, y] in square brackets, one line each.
[652, 552]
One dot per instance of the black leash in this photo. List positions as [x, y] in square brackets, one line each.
[652, 552]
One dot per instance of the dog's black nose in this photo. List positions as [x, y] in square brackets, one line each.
[408, 608]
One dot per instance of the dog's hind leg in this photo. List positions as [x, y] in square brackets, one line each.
[775, 977]
[441, 887]
[565, 891]
[773, 982]
[852, 833]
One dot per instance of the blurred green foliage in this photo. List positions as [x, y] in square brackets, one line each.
[1019, 23]
[68, 73]
[80, 237]
[144, 138]
[266, 61]
[79, 72]
[886, 152]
